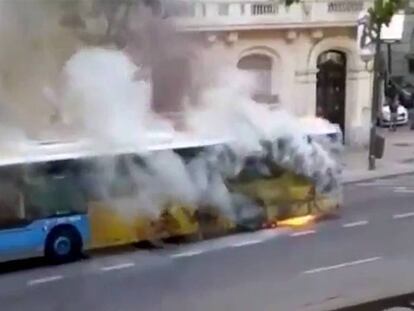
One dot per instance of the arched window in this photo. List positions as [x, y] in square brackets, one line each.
[260, 67]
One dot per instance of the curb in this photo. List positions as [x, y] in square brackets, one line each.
[378, 176]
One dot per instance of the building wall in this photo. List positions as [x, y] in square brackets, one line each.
[294, 55]
[402, 49]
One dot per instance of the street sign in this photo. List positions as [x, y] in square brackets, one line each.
[394, 31]
[389, 34]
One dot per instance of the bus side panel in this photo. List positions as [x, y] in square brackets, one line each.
[108, 227]
[213, 223]
[271, 192]
[23, 242]
[286, 196]
[180, 220]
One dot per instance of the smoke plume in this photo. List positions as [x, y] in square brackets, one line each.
[118, 94]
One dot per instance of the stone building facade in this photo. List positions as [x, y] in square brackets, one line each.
[305, 57]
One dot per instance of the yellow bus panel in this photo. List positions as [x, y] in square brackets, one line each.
[108, 227]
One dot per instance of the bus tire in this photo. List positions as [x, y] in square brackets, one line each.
[63, 244]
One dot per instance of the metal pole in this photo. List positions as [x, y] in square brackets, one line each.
[389, 61]
[375, 101]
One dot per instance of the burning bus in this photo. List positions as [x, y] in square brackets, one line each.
[59, 199]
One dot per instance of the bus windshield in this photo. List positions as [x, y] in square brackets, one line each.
[38, 191]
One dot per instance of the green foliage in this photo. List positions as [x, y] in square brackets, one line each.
[382, 10]
[290, 2]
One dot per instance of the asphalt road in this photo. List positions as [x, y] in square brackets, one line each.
[366, 254]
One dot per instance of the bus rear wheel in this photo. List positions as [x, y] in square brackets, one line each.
[63, 245]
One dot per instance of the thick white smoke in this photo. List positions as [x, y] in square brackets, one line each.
[99, 93]
[228, 110]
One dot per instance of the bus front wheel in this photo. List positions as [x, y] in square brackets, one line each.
[63, 245]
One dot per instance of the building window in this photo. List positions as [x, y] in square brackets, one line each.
[260, 69]
[223, 9]
[203, 10]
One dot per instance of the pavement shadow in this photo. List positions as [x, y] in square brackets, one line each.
[21, 265]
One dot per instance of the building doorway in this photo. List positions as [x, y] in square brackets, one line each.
[331, 87]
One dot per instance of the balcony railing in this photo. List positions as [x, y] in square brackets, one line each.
[264, 9]
[345, 6]
[251, 14]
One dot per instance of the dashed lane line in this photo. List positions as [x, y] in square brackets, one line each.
[187, 254]
[246, 243]
[342, 265]
[48, 279]
[365, 184]
[400, 188]
[355, 224]
[403, 190]
[401, 216]
[302, 233]
[118, 267]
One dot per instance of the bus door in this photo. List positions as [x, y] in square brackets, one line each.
[111, 202]
[48, 197]
[19, 237]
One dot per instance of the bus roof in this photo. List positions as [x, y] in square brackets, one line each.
[34, 151]
[47, 151]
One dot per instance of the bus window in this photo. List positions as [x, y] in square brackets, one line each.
[254, 168]
[105, 178]
[123, 183]
[12, 212]
[90, 176]
[187, 154]
[51, 190]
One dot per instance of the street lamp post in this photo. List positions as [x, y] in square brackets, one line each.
[371, 33]
[374, 103]
[369, 45]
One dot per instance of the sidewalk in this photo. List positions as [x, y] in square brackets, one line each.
[398, 158]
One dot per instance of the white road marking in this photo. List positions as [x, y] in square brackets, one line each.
[187, 254]
[355, 224]
[377, 182]
[44, 280]
[343, 265]
[403, 190]
[302, 233]
[400, 188]
[246, 243]
[118, 267]
[239, 240]
[365, 184]
[405, 215]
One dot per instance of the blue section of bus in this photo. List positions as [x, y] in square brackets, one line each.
[31, 238]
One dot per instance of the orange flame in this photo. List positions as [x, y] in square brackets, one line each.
[297, 221]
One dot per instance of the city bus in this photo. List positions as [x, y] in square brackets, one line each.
[52, 202]
[50, 205]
